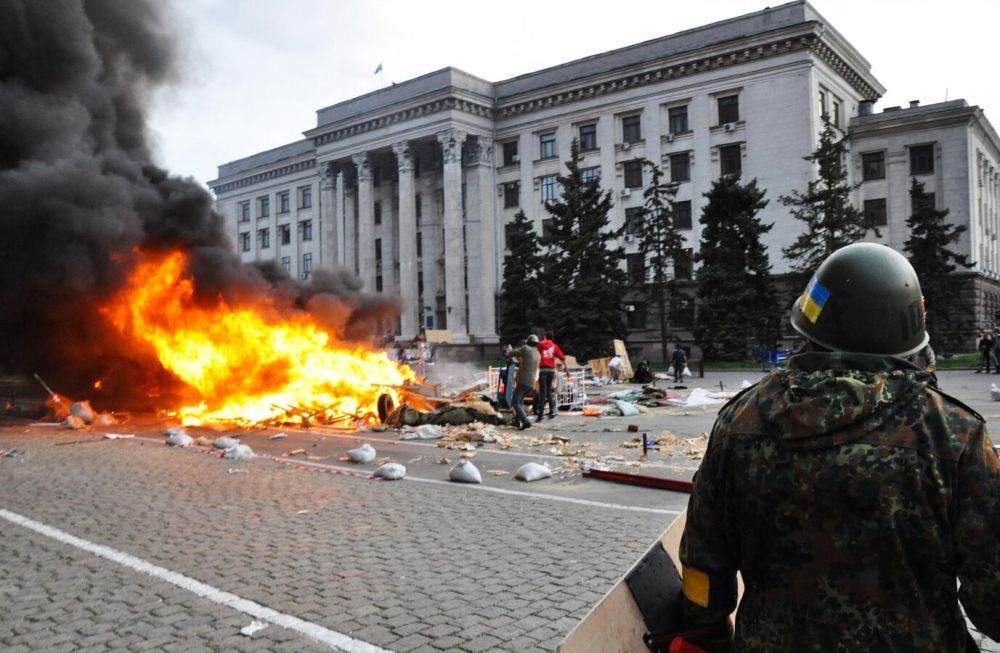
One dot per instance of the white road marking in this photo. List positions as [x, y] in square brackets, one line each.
[338, 641]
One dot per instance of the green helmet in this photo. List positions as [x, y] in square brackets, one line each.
[531, 340]
[863, 298]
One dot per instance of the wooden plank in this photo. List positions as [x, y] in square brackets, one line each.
[627, 364]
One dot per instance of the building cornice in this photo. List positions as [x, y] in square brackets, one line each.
[327, 134]
[265, 175]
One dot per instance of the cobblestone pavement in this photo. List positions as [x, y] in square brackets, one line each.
[410, 566]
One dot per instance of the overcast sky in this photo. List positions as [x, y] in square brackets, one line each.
[254, 73]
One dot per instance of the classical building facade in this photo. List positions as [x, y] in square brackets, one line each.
[411, 186]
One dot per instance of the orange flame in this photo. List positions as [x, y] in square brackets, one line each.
[247, 363]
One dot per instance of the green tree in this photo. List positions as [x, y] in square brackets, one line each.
[831, 219]
[583, 282]
[660, 243]
[934, 263]
[738, 305]
[520, 292]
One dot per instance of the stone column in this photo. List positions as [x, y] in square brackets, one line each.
[481, 229]
[454, 247]
[339, 233]
[409, 321]
[328, 216]
[366, 224]
[350, 231]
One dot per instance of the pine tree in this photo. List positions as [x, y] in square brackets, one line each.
[737, 298]
[521, 290]
[934, 263]
[583, 282]
[660, 243]
[831, 219]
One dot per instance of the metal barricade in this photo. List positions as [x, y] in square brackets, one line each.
[570, 392]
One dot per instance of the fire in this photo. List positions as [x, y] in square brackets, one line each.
[247, 363]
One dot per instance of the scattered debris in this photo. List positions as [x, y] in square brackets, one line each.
[278, 436]
[237, 470]
[391, 472]
[119, 436]
[467, 454]
[202, 441]
[363, 454]
[627, 409]
[82, 410]
[533, 472]
[11, 453]
[497, 472]
[994, 392]
[632, 428]
[105, 419]
[465, 472]
[443, 460]
[295, 452]
[178, 438]
[302, 512]
[74, 422]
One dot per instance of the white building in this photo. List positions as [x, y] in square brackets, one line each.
[411, 185]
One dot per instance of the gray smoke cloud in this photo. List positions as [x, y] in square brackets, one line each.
[79, 193]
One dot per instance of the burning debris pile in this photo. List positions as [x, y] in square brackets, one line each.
[117, 280]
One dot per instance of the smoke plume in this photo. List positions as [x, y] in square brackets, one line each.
[79, 193]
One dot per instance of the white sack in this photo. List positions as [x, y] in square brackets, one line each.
[700, 397]
[391, 472]
[363, 454]
[533, 472]
[465, 472]
[178, 438]
[238, 452]
[225, 443]
[995, 392]
[82, 410]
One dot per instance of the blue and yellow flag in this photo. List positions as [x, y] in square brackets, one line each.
[813, 300]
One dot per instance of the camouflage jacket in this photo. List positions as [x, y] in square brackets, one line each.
[850, 494]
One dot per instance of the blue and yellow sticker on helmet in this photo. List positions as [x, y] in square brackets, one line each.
[813, 300]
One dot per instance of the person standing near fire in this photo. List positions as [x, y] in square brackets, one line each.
[527, 373]
[859, 503]
[548, 352]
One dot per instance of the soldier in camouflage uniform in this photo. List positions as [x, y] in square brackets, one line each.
[848, 491]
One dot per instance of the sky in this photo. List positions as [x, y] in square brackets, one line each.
[253, 73]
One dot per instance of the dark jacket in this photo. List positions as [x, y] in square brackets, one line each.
[850, 494]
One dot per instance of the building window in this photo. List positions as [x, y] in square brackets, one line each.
[631, 129]
[633, 174]
[729, 109]
[420, 244]
[588, 137]
[307, 265]
[378, 283]
[547, 146]
[264, 236]
[591, 174]
[876, 212]
[548, 227]
[418, 206]
[678, 119]
[244, 211]
[439, 200]
[922, 160]
[872, 166]
[376, 175]
[263, 207]
[928, 203]
[635, 316]
[305, 197]
[822, 105]
[307, 229]
[511, 194]
[508, 229]
[378, 251]
[284, 234]
[636, 265]
[680, 167]
[682, 214]
[548, 185]
[245, 241]
[286, 263]
[510, 156]
[730, 160]
[836, 113]
[420, 285]
[633, 221]
[283, 202]
[377, 212]
[684, 264]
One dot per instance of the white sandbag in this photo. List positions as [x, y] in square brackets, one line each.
[178, 438]
[391, 472]
[105, 419]
[701, 397]
[465, 472]
[74, 422]
[533, 472]
[82, 410]
[686, 372]
[627, 409]
[429, 432]
[363, 454]
[994, 392]
[238, 452]
[225, 443]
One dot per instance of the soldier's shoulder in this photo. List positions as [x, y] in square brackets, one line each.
[740, 413]
[948, 402]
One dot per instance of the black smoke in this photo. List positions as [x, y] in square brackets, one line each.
[79, 192]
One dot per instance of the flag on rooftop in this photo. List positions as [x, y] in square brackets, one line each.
[379, 68]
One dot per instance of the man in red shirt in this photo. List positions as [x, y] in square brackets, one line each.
[549, 352]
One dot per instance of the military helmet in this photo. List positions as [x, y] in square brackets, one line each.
[531, 340]
[864, 298]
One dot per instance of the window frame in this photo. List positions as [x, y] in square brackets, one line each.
[264, 206]
[510, 152]
[244, 241]
[632, 122]
[685, 225]
[591, 135]
[264, 237]
[725, 114]
[632, 270]
[629, 171]
[674, 158]
[511, 194]
[284, 234]
[671, 118]
[868, 158]
[547, 145]
[633, 221]
[869, 205]
[723, 158]
[305, 197]
[284, 202]
[244, 211]
[924, 147]
[306, 229]
[548, 185]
